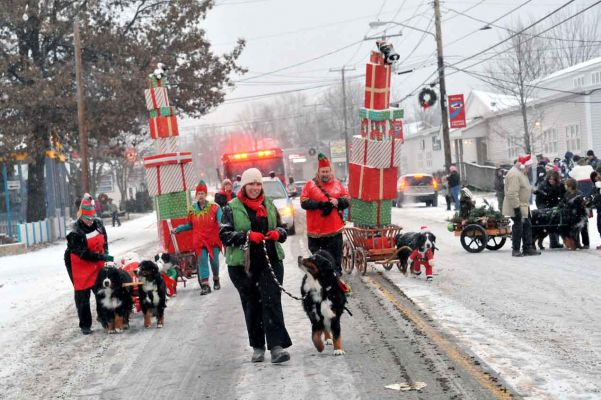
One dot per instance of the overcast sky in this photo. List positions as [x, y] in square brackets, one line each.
[281, 33]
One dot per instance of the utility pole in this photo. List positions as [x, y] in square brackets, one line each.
[443, 87]
[346, 141]
[81, 112]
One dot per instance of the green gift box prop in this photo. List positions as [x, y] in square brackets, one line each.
[381, 115]
[162, 112]
[172, 205]
[371, 213]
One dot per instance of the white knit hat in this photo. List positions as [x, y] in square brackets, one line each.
[251, 175]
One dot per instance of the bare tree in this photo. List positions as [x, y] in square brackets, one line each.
[523, 62]
[575, 40]
[426, 117]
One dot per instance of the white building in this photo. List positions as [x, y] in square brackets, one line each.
[564, 114]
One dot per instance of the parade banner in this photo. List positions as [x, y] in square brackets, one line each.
[457, 111]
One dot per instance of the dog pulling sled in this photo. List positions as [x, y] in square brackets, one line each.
[364, 245]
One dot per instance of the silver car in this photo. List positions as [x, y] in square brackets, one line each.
[275, 190]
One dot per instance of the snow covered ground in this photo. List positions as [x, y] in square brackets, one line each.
[535, 320]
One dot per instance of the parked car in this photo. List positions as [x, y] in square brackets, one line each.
[276, 191]
[416, 188]
[299, 186]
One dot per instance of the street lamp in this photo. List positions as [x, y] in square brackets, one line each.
[441, 77]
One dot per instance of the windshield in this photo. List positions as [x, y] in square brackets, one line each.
[274, 190]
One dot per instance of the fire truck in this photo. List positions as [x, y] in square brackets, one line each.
[266, 160]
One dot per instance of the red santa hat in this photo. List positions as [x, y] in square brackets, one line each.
[201, 187]
[86, 207]
[525, 160]
[323, 161]
[424, 228]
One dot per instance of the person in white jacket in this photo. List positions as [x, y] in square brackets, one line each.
[582, 174]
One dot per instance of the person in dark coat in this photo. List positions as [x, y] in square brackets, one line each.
[548, 195]
[86, 253]
[566, 165]
[500, 186]
[225, 194]
[454, 182]
[592, 159]
[250, 224]
[541, 169]
[575, 195]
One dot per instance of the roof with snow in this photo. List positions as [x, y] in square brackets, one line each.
[575, 68]
[480, 103]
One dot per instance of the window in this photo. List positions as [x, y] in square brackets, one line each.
[428, 159]
[596, 78]
[579, 81]
[420, 161]
[573, 138]
[422, 144]
[513, 150]
[550, 141]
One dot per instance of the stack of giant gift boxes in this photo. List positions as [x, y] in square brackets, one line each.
[376, 154]
[169, 173]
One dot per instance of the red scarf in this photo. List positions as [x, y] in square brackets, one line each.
[254, 204]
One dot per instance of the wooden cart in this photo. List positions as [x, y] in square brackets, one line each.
[364, 245]
[484, 233]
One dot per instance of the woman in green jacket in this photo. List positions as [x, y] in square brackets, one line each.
[252, 219]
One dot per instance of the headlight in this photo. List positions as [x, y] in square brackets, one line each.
[286, 211]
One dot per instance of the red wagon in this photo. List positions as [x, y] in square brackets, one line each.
[364, 245]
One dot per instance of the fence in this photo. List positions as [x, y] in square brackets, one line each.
[479, 176]
[47, 230]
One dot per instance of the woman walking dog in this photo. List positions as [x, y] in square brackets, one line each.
[87, 250]
[251, 224]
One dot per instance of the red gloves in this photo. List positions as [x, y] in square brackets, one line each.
[273, 235]
[256, 237]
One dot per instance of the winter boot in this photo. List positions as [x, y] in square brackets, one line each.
[86, 331]
[516, 253]
[258, 354]
[216, 284]
[279, 355]
[531, 251]
[204, 289]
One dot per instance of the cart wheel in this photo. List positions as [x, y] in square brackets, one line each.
[348, 257]
[361, 260]
[495, 242]
[388, 266]
[473, 238]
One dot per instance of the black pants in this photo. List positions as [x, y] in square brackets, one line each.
[82, 303]
[333, 244]
[116, 219]
[521, 232]
[584, 234]
[262, 304]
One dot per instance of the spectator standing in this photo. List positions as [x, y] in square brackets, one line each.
[516, 205]
[548, 195]
[541, 169]
[500, 186]
[292, 190]
[582, 174]
[236, 185]
[454, 182]
[592, 159]
[566, 165]
[226, 193]
[114, 212]
[574, 195]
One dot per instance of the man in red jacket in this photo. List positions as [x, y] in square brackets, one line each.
[324, 198]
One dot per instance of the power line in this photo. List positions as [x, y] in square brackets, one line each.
[492, 23]
[303, 62]
[528, 39]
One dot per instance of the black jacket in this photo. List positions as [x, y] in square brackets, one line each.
[453, 179]
[78, 244]
[231, 237]
[549, 196]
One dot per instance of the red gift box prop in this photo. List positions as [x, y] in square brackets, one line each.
[369, 184]
[170, 172]
[377, 86]
[375, 57]
[184, 239]
[156, 97]
[163, 127]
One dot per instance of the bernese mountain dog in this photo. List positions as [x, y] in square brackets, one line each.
[114, 301]
[166, 262]
[567, 220]
[416, 247]
[152, 293]
[323, 299]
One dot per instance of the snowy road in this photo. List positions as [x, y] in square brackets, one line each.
[534, 321]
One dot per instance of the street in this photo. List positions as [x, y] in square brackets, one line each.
[203, 353]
